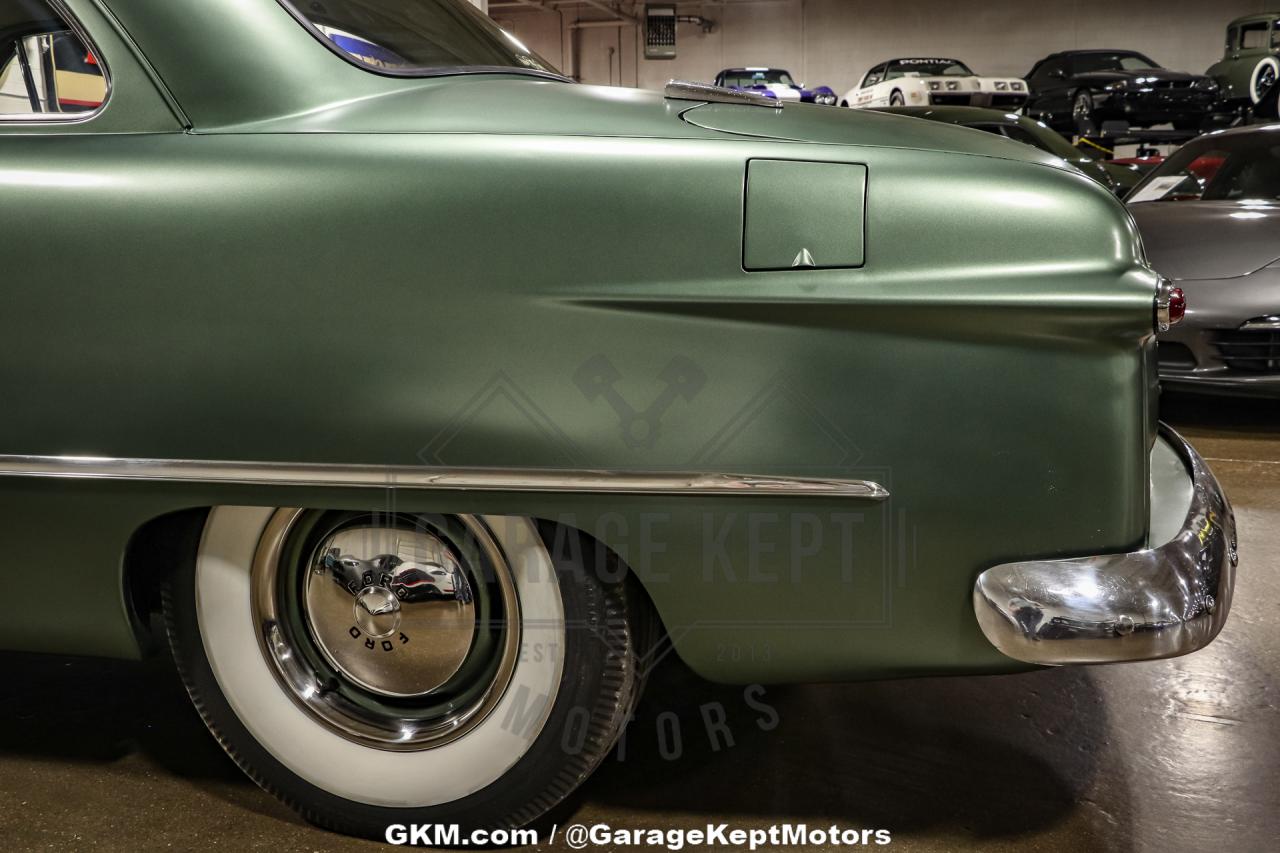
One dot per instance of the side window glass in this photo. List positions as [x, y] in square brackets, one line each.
[1275, 34]
[1253, 35]
[874, 76]
[46, 69]
[1045, 75]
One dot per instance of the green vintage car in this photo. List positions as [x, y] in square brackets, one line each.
[1028, 131]
[426, 398]
[1250, 64]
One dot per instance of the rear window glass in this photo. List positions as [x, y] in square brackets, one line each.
[415, 37]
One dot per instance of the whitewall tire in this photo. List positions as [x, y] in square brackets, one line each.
[1267, 69]
[342, 739]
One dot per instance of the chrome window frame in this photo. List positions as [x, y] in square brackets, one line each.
[73, 25]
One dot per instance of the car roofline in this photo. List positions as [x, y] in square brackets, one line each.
[1273, 127]
[1268, 17]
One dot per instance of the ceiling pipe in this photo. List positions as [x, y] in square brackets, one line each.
[594, 25]
[605, 7]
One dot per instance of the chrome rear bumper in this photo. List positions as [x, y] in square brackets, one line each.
[1155, 603]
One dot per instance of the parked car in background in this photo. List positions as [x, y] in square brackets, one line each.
[774, 83]
[280, 348]
[921, 81]
[1030, 132]
[1210, 221]
[1137, 166]
[1077, 91]
[1250, 63]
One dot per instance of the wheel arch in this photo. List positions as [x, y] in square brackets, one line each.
[170, 542]
[156, 547]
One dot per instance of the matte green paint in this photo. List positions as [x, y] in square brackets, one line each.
[814, 207]
[1116, 178]
[333, 266]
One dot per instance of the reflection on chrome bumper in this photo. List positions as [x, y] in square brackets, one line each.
[1155, 603]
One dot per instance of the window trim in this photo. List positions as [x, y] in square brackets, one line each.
[414, 73]
[77, 29]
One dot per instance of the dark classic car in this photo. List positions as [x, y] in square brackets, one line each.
[1250, 63]
[1028, 131]
[367, 279]
[775, 83]
[1079, 90]
[1210, 220]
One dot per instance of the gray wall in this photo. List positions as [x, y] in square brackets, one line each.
[833, 42]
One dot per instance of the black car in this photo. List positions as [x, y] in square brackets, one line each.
[1078, 90]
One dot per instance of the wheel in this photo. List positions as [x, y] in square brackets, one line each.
[313, 652]
[896, 99]
[1082, 111]
[1263, 77]
[844, 103]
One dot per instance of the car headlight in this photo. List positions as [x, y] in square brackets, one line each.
[934, 85]
[1001, 85]
[1116, 86]
[1208, 84]
[952, 85]
[1016, 86]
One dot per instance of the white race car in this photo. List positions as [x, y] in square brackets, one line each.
[932, 81]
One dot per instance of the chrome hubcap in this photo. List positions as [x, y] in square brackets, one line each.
[377, 612]
[1265, 78]
[391, 608]
[393, 633]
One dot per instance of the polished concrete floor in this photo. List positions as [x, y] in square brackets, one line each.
[1179, 755]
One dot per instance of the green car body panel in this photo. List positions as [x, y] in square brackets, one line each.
[1116, 178]
[1234, 73]
[258, 251]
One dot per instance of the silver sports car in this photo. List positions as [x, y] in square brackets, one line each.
[1210, 220]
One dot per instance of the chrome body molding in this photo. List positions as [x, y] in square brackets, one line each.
[684, 90]
[1164, 299]
[1158, 602]
[1263, 324]
[424, 477]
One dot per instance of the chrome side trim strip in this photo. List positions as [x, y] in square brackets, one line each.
[447, 479]
[1262, 324]
[685, 90]
[1164, 600]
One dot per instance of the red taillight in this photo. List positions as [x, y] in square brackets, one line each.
[1177, 306]
[1171, 305]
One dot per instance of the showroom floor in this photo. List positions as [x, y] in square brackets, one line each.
[1182, 754]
